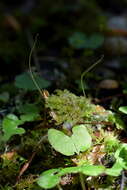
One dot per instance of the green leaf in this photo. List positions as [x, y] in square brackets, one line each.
[52, 177]
[123, 109]
[61, 142]
[79, 40]
[10, 126]
[79, 141]
[81, 138]
[65, 171]
[29, 108]
[48, 179]
[29, 117]
[121, 155]
[115, 118]
[115, 170]
[95, 41]
[24, 81]
[92, 170]
[30, 112]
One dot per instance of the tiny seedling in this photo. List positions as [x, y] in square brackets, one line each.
[80, 141]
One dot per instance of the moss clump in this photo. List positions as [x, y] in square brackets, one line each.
[67, 107]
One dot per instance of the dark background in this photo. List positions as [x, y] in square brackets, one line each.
[55, 21]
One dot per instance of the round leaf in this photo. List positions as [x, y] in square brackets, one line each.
[48, 179]
[24, 81]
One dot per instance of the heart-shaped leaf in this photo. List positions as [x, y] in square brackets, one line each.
[25, 82]
[79, 141]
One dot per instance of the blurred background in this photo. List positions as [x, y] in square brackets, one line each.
[73, 35]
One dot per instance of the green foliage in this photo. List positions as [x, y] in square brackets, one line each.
[48, 179]
[4, 97]
[111, 142]
[123, 109]
[11, 122]
[10, 126]
[52, 177]
[115, 170]
[121, 155]
[70, 145]
[69, 107]
[25, 82]
[79, 40]
[29, 112]
[115, 118]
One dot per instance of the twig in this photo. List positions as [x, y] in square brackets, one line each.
[27, 164]
[123, 178]
[86, 71]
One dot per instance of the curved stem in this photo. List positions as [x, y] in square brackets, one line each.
[87, 70]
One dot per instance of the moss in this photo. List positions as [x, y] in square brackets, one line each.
[67, 107]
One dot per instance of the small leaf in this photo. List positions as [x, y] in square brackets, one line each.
[79, 141]
[28, 108]
[49, 179]
[10, 126]
[29, 117]
[115, 170]
[121, 155]
[123, 109]
[95, 41]
[24, 81]
[81, 138]
[92, 170]
[61, 142]
[79, 40]
[52, 177]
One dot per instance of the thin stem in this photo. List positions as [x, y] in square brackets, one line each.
[82, 181]
[59, 187]
[31, 73]
[86, 71]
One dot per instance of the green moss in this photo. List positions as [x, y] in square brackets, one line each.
[67, 107]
